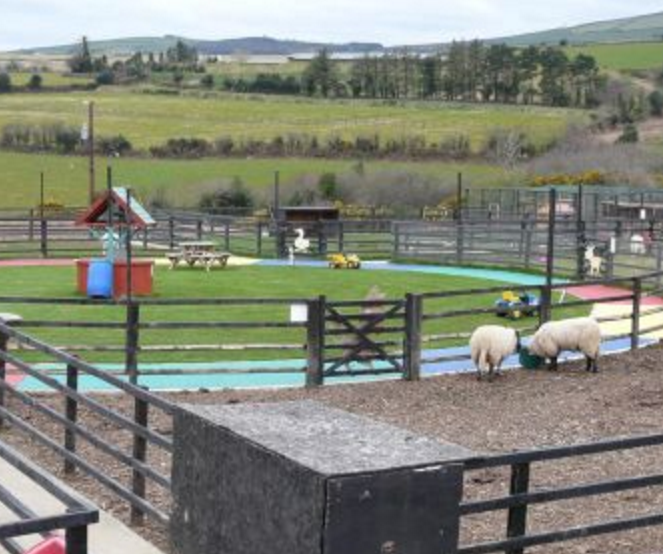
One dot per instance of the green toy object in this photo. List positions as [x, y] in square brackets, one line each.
[529, 360]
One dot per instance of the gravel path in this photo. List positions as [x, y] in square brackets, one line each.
[519, 410]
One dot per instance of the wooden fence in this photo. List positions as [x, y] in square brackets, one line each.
[520, 498]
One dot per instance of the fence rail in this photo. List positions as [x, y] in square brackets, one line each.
[520, 496]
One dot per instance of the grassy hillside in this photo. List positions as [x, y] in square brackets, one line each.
[625, 56]
[183, 181]
[640, 28]
[148, 119]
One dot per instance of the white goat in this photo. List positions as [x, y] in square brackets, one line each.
[490, 345]
[579, 334]
[595, 262]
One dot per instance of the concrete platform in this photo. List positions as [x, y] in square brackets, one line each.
[109, 536]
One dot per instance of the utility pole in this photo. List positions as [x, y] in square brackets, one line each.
[90, 147]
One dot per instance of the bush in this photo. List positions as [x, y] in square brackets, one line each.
[328, 186]
[117, 145]
[456, 147]
[105, 77]
[207, 81]
[656, 103]
[629, 134]
[236, 196]
[35, 82]
[183, 148]
[5, 82]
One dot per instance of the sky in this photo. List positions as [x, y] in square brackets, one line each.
[29, 23]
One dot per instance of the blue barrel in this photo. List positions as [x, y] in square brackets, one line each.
[100, 279]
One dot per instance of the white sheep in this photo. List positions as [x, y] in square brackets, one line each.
[490, 345]
[580, 334]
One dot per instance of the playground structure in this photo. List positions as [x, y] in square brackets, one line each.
[114, 218]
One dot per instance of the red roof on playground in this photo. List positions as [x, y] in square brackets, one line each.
[125, 210]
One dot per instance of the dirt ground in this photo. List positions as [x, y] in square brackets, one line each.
[522, 409]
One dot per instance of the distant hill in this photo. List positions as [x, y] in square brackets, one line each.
[643, 28]
[631, 29]
[248, 45]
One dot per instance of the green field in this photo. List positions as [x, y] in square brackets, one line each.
[150, 119]
[182, 181]
[51, 79]
[234, 282]
[624, 56]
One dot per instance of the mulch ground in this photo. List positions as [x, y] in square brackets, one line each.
[522, 409]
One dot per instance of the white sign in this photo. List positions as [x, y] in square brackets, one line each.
[298, 313]
[643, 214]
[613, 245]
[85, 132]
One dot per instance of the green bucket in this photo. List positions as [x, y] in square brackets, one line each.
[528, 360]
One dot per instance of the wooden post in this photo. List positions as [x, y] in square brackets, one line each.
[171, 232]
[132, 341]
[76, 540]
[341, 237]
[517, 517]
[141, 413]
[581, 239]
[315, 342]
[395, 229]
[71, 413]
[31, 225]
[412, 343]
[258, 239]
[635, 316]
[550, 251]
[43, 237]
[659, 263]
[4, 342]
[545, 304]
[226, 237]
[199, 229]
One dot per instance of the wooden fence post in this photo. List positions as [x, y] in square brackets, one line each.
[412, 342]
[315, 342]
[258, 239]
[199, 229]
[141, 417]
[71, 413]
[43, 237]
[395, 231]
[132, 341]
[545, 304]
[517, 516]
[659, 263]
[31, 225]
[171, 232]
[226, 237]
[341, 237]
[4, 341]
[635, 316]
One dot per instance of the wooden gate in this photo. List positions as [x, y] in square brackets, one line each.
[369, 333]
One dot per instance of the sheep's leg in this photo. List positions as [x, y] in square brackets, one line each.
[553, 364]
[491, 373]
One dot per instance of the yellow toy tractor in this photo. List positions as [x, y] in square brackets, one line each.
[344, 261]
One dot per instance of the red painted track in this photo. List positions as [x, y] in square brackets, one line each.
[598, 292]
[35, 263]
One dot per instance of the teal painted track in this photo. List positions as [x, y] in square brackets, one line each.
[296, 378]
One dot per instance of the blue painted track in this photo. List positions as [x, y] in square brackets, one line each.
[231, 380]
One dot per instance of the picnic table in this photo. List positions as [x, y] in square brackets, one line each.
[202, 253]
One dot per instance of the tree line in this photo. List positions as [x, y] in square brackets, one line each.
[469, 72]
